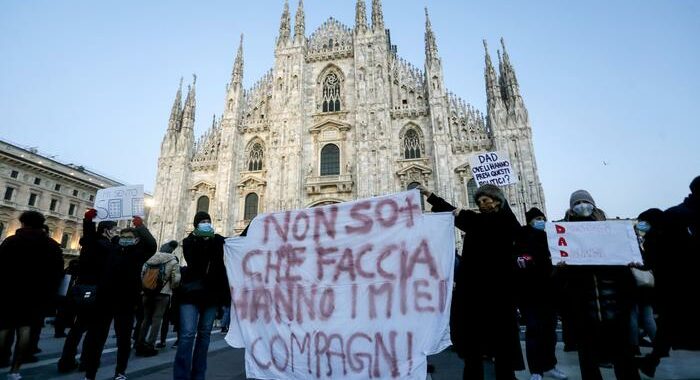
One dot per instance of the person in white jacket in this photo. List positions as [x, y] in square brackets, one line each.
[156, 301]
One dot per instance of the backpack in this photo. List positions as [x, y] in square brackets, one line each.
[154, 278]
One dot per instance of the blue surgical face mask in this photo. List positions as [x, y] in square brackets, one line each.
[127, 242]
[539, 224]
[584, 209]
[205, 227]
[643, 226]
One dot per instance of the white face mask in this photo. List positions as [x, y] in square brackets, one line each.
[584, 209]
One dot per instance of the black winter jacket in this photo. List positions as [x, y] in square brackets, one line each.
[483, 306]
[205, 264]
[534, 282]
[30, 274]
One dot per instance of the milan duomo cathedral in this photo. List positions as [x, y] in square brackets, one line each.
[339, 116]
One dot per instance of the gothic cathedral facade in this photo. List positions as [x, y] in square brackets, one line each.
[339, 117]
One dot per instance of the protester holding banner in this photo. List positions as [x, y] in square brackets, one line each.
[117, 293]
[30, 274]
[599, 298]
[676, 259]
[204, 288]
[483, 320]
[535, 296]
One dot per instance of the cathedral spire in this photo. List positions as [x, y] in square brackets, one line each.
[509, 82]
[190, 105]
[299, 23]
[431, 51]
[377, 16]
[496, 110]
[361, 16]
[285, 29]
[492, 90]
[237, 72]
[175, 112]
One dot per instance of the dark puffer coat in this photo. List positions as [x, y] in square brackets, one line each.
[534, 282]
[597, 293]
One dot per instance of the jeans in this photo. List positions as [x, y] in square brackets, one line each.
[645, 314]
[226, 318]
[195, 321]
[154, 308]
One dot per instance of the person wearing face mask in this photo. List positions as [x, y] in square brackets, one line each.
[118, 292]
[203, 289]
[644, 295]
[483, 317]
[535, 296]
[599, 298]
[675, 246]
[94, 245]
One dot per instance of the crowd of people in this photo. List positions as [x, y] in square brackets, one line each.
[506, 276]
[505, 279]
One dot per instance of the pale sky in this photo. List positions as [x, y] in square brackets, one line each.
[611, 87]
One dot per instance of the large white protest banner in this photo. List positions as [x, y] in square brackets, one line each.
[356, 290]
[593, 243]
[118, 203]
[492, 168]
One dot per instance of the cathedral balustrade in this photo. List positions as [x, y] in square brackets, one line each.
[406, 111]
[328, 184]
[330, 54]
[254, 126]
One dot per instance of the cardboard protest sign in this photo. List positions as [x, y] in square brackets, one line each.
[119, 203]
[355, 290]
[493, 168]
[593, 243]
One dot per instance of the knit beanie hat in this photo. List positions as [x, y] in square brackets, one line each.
[695, 186]
[491, 191]
[199, 216]
[532, 214]
[168, 247]
[580, 195]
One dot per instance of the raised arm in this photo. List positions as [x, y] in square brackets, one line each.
[463, 218]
